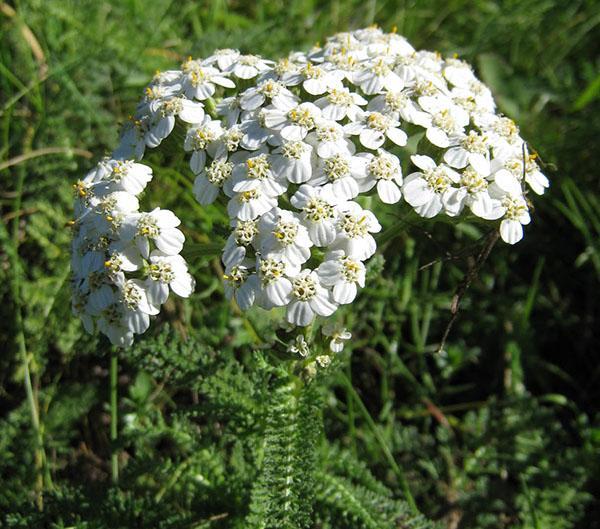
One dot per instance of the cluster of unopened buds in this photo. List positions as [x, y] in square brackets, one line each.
[299, 148]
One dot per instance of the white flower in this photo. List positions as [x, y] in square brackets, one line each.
[210, 181]
[159, 225]
[250, 204]
[241, 285]
[427, 190]
[199, 81]
[241, 239]
[340, 103]
[258, 173]
[314, 79]
[255, 131]
[340, 175]
[338, 337]
[292, 123]
[283, 236]
[447, 119]
[275, 284]
[377, 77]
[269, 89]
[468, 149]
[383, 171]
[223, 58]
[329, 138]
[354, 228]
[374, 127]
[399, 105]
[299, 346]
[200, 138]
[343, 274]
[230, 109]
[308, 298]
[516, 214]
[119, 175]
[522, 165]
[318, 213]
[248, 66]
[472, 192]
[166, 271]
[164, 111]
[293, 161]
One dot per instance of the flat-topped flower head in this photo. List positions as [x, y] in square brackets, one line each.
[293, 144]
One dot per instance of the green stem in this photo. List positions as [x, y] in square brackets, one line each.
[114, 457]
[39, 453]
[382, 443]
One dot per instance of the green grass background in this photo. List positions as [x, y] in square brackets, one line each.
[501, 431]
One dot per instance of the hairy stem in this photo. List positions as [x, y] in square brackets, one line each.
[114, 457]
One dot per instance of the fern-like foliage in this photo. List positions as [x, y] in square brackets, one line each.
[282, 497]
[349, 497]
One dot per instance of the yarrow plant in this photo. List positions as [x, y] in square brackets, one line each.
[289, 148]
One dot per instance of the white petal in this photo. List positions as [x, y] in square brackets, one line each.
[417, 192]
[344, 292]
[299, 313]
[398, 136]
[511, 231]
[170, 241]
[388, 192]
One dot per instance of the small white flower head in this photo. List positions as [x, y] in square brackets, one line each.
[354, 228]
[119, 175]
[515, 214]
[338, 337]
[200, 139]
[159, 226]
[248, 205]
[283, 235]
[447, 119]
[374, 127]
[341, 175]
[319, 213]
[342, 273]
[267, 90]
[240, 242]
[340, 103]
[293, 124]
[308, 299]
[199, 81]
[377, 76]
[211, 179]
[163, 113]
[258, 173]
[329, 138]
[427, 190]
[248, 66]
[472, 191]
[299, 346]
[241, 284]
[164, 272]
[323, 361]
[384, 173]
[293, 161]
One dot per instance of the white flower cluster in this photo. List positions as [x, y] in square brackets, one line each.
[292, 147]
[124, 261]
